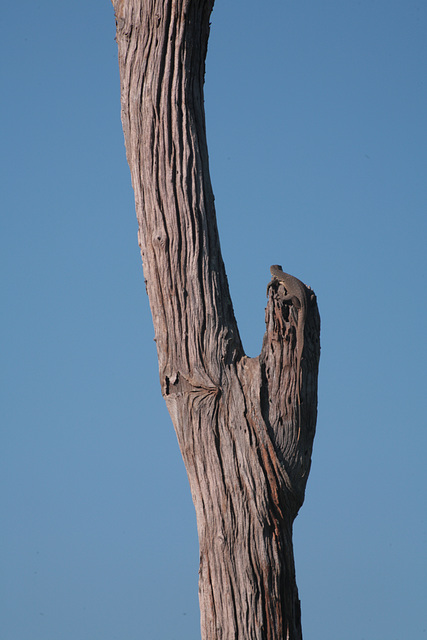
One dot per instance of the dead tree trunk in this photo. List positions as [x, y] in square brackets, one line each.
[244, 429]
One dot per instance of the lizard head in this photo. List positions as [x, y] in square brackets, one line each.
[276, 267]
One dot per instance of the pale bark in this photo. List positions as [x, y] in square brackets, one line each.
[245, 442]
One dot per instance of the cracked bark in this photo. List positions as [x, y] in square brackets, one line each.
[245, 443]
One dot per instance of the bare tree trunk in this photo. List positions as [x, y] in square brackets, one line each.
[245, 439]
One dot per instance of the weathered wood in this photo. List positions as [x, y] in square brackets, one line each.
[245, 441]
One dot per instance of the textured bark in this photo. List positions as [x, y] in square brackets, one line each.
[245, 441]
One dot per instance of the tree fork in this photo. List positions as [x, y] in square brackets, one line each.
[245, 440]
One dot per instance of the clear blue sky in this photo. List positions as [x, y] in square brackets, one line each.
[316, 117]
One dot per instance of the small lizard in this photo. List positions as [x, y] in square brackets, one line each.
[296, 294]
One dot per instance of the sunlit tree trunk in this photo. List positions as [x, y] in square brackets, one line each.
[245, 440]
